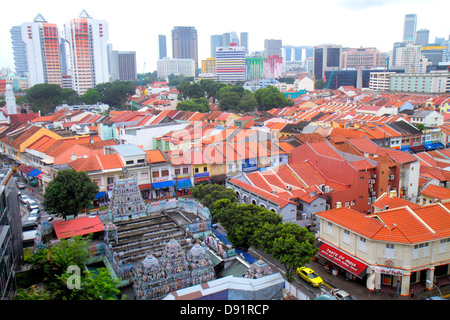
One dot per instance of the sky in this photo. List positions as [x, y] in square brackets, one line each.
[135, 25]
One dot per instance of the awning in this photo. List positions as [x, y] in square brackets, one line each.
[219, 178]
[184, 183]
[164, 184]
[418, 149]
[27, 169]
[100, 195]
[34, 173]
[433, 146]
[200, 180]
[145, 186]
[343, 260]
[405, 149]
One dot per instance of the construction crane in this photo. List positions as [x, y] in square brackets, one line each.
[329, 79]
[142, 75]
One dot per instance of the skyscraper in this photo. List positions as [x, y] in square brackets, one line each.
[230, 64]
[272, 48]
[162, 46]
[19, 51]
[123, 65]
[87, 53]
[41, 41]
[422, 37]
[409, 28]
[185, 44]
[326, 58]
[244, 41]
[216, 41]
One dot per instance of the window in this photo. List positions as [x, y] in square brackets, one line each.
[164, 173]
[155, 174]
[144, 175]
[389, 251]
[330, 228]
[141, 161]
[205, 169]
[185, 170]
[129, 162]
[443, 245]
[177, 171]
[110, 180]
[346, 238]
[362, 244]
[196, 170]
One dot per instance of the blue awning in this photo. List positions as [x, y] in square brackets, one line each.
[406, 149]
[101, 194]
[34, 173]
[184, 183]
[164, 184]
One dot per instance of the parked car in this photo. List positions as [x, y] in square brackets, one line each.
[310, 276]
[31, 205]
[24, 198]
[342, 295]
[435, 298]
[34, 215]
[21, 185]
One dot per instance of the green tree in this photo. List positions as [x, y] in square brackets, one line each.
[44, 97]
[200, 105]
[270, 97]
[421, 126]
[53, 262]
[69, 193]
[242, 221]
[115, 94]
[208, 194]
[91, 96]
[228, 99]
[247, 103]
[292, 245]
[319, 84]
[70, 97]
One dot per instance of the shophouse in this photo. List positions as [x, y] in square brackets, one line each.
[394, 250]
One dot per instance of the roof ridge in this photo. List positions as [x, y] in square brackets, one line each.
[420, 219]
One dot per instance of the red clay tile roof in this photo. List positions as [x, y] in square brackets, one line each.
[437, 192]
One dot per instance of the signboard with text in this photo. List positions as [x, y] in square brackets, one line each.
[343, 260]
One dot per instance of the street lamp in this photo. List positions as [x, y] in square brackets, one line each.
[428, 281]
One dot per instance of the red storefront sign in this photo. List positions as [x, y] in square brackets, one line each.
[343, 260]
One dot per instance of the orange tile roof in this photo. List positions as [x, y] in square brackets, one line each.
[393, 202]
[155, 156]
[437, 192]
[402, 225]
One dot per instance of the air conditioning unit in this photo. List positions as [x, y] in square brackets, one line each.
[374, 175]
[370, 186]
[313, 216]
[303, 216]
[371, 189]
[374, 193]
[391, 177]
[371, 181]
[374, 199]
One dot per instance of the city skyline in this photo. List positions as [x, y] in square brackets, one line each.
[350, 23]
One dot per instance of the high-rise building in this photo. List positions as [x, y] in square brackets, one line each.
[169, 66]
[408, 57]
[87, 53]
[272, 48]
[273, 67]
[409, 28]
[19, 51]
[216, 41]
[123, 65]
[361, 57]
[42, 42]
[162, 45]
[422, 37]
[255, 67]
[244, 41]
[434, 54]
[209, 66]
[185, 44]
[230, 64]
[326, 58]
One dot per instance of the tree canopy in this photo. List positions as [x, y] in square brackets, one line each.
[249, 225]
[52, 266]
[115, 94]
[44, 97]
[69, 193]
[270, 97]
[208, 194]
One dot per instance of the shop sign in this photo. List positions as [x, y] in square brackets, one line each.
[343, 260]
[389, 271]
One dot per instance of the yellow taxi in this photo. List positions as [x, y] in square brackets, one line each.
[310, 276]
